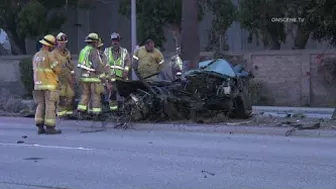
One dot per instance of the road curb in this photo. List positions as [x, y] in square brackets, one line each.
[293, 109]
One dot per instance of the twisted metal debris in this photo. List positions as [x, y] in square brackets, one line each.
[214, 88]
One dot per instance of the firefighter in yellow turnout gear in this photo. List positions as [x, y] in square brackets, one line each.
[46, 69]
[92, 71]
[66, 78]
[119, 62]
[103, 76]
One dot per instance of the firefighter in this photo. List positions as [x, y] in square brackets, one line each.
[66, 78]
[120, 62]
[149, 60]
[92, 70]
[103, 76]
[46, 69]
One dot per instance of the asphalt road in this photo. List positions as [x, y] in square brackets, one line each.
[157, 159]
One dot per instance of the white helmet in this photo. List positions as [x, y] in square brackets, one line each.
[115, 36]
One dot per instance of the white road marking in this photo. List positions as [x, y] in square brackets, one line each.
[46, 146]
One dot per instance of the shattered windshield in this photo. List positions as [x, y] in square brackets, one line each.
[219, 66]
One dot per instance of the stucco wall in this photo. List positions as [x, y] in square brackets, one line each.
[289, 78]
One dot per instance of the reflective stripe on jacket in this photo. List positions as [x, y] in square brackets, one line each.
[83, 60]
[85, 65]
[117, 66]
[46, 70]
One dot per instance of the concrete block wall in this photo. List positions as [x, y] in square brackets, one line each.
[289, 78]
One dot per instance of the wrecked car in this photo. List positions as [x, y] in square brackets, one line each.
[215, 88]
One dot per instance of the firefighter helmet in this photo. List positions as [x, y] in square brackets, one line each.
[61, 38]
[92, 37]
[115, 36]
[48, 40]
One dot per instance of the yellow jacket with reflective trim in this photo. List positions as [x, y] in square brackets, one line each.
[64, 58]
[91, 65]
[46, 70]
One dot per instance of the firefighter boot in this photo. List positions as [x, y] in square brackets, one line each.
[40, 129]
[52, 131]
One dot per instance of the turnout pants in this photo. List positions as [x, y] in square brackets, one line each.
[115, 100]
[90, 94]
[101, 92]
[46, 107]
[66, 99]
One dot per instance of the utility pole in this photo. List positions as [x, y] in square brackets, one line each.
[133, 24]
[133, 33]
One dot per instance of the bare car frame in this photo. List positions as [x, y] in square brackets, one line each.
[216, 87]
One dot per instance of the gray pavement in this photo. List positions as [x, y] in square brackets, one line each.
[160, 159]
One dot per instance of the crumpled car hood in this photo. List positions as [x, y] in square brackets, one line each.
[220, 67]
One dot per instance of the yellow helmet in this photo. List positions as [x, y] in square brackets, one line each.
[61, 38]
[48, 40]
[92, 37]
[100, 44]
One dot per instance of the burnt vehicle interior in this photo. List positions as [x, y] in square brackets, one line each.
[215, 88]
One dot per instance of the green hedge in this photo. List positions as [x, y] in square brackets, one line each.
[26, 75]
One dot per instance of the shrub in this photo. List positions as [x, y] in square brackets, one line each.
[10, 103]
[26, 75]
